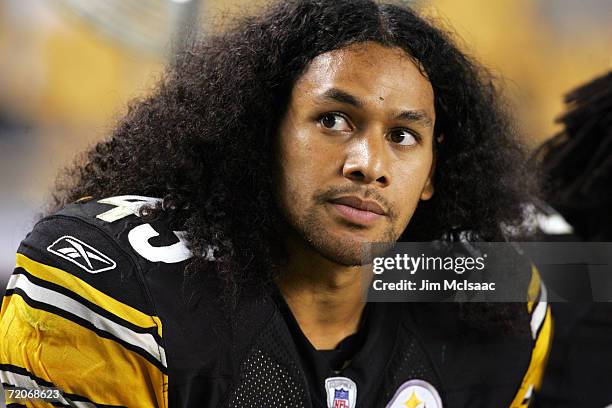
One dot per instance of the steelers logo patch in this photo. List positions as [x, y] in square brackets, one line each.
[416, 394]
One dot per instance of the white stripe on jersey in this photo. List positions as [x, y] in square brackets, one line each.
[144, 341]
[539, 312]
[25, 382]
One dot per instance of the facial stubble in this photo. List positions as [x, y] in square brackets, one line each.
[346, 249]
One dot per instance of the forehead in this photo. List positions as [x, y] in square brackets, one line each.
[379, 75]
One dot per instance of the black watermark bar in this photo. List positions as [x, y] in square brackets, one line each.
[487, 271]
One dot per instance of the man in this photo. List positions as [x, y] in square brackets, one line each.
[279, 148]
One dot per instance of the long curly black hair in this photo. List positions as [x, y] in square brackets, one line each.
[204, 138]
[577, 162]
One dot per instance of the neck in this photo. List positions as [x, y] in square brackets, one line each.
[325, 297]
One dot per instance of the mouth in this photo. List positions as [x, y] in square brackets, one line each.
[358, 211]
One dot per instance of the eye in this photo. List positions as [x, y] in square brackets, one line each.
[403, 137]
[335, 121]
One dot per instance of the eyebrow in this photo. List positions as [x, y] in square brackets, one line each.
[338, 95]
[419, 116]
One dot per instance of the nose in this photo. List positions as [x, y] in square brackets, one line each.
[366, 160]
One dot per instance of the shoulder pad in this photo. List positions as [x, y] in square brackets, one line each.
[119, 217]
[78, 299]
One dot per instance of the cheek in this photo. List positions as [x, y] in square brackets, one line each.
[298, 169]
[307, 155]
[410, 180]
[295, 151]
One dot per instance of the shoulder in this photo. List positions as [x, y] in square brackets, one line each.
[105, 244]
[541, 330]
[512, 363]
[80, 297]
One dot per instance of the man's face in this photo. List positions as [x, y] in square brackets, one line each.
[356, 149]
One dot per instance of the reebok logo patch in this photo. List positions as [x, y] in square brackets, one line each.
[81, 254]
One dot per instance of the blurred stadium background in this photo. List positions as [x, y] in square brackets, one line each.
[68, 68]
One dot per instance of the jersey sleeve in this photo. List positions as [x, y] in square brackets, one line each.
[77, 317]
[541, 328]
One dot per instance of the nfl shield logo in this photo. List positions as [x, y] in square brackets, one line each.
[341, 398]
[341, 392]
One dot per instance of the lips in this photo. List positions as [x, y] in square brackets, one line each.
[357, 203]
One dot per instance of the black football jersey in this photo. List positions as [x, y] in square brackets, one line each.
[101, 308]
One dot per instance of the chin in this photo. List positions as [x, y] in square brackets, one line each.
[341, 244]
[343, 256]
[347, 251]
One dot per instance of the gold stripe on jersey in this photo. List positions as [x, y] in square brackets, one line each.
[88, 292]
[65, 305]
[533, 290]
[158, 322]
[535, 372]
[77, 360]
